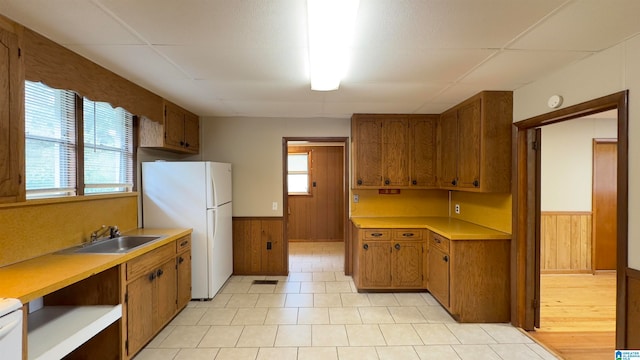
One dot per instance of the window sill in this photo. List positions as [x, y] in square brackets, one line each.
[68, 199]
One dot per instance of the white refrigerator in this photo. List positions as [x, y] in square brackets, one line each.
[193, 194]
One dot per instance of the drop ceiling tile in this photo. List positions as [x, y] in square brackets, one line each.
[447, 24]
[383, 92]
[378, 64]
[456, 93]
[434, 108]
[346, 109]
[248, 23]
[263, 91]
[513, 68]
[238, 64]
[69, 22]
[276, 109]
[585, 25]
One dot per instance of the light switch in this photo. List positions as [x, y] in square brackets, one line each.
[274, 206]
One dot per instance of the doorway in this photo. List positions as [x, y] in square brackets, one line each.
[315, 200]
[526, 210]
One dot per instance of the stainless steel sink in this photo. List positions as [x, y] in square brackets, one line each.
[118, 245]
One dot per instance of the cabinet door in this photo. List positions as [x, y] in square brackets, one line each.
[448, 149]
[165, 295]
[375, 264]
[140, 295]
[367, 139]
[438, 275]
[407, 264]
[395, 151]
[469, 145]
[11, 119]
[173, 126]
[191, 133]
[184, 278]
[422, 149]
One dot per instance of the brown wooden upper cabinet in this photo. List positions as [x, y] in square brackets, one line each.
[395, 151]
[12, 187]
[179, 131]
[474, 144]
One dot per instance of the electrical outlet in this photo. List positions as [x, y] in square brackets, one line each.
[356, 198]
[274, 206]
[457, 209]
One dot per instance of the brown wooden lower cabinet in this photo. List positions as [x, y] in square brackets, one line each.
[258, 246]
[470, 278]
[156, 289]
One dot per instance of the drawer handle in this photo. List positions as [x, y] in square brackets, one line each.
[408, 234]
[365, 246]
[445, 258]
[397, 246]
[184, 243]
[438, 241]
[376, 234]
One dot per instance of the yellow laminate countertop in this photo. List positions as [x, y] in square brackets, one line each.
[31, 279]
[450, 228]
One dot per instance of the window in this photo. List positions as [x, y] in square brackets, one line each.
[53, 161]
[108, 148]
[50, 141]
[298, 174]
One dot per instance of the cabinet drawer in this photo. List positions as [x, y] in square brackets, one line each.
[407, 234]
[150, 260]
[439, 241]
[183, 244]
[377, 234]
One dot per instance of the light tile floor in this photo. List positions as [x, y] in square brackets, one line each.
[316, 313]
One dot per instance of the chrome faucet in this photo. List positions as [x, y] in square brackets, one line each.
[113, 232]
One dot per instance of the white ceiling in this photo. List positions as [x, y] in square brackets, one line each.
[249, 57]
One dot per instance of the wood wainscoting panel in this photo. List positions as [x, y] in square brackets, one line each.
[258, 246]
[565, 242]
[633, 309]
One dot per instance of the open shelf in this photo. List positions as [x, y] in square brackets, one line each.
[55, 331]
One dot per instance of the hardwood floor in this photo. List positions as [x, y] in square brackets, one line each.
[577, 315]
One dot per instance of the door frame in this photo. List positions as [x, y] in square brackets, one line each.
[525, 218]
[345, 193]
[594, 239]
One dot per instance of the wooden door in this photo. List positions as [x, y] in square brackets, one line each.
[173, 126]
[395, 151]
[438, 275]
[605, 163]
[139, 312]
[11, 119]
[184, 278]
[407, 264]
[367, 157]
[422, 150]
[165, 296]
[469, 132]
[191, 133]
[448, 149]
[375, 264]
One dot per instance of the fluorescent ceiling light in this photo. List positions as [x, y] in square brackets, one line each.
[331, 26]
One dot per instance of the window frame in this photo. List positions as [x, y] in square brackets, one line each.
[80, 145]
[308, 173]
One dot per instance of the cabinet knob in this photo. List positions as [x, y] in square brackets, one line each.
[454, 182]
[181, 143]
[397, 246]
[186, 144]
[387, 182]
[445, 258]
[476, 183]
[359, 181]
[414, 182]
[159, 272]
[365, 246]
[180, 260]
[152, 276]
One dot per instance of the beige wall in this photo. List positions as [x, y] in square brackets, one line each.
[254, 147]
[613, 70]
[567, 148]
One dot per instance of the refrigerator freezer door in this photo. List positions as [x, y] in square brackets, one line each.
[218, 184]
[220, 247]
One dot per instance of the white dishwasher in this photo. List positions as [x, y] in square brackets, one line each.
[10, 329]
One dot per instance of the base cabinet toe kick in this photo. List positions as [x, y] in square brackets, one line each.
[469, 278]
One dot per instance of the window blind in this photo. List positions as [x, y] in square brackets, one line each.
[50, 141]
[108, 148]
